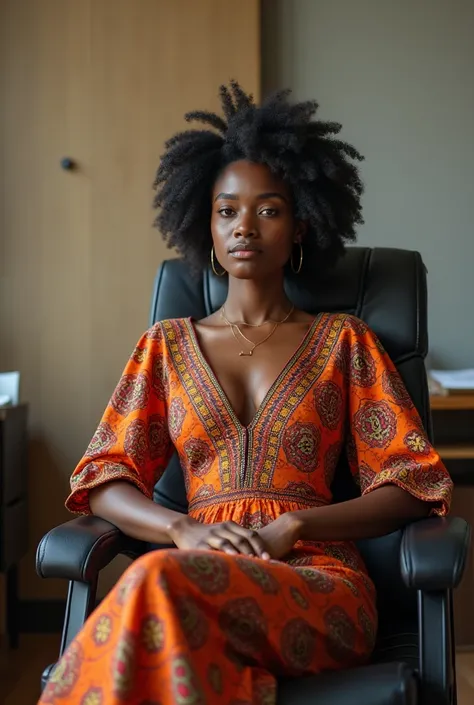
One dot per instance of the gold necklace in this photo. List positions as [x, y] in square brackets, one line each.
[234, 326]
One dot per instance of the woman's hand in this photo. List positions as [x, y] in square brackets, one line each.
[280, 536]
[229, 537]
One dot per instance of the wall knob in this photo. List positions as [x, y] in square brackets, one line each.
[68, 164]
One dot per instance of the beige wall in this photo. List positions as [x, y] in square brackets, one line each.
[104, 82]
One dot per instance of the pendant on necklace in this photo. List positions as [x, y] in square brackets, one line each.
[245, 354]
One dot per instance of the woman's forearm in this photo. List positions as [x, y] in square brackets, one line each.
[130, 511]
[380, 512]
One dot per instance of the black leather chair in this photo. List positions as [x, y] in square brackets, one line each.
[415, 570]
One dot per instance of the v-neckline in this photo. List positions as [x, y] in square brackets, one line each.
[242, 428]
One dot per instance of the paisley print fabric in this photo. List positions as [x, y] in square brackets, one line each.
[376, 424]
[203, 627]
[198, 456]
[123, 665]
[393, 386]
[135, 444]
[104, 438]
[210, 576]
[103, 629]
[243, 622]
[299, 598]
[363, 369]
[176, 416]
[342, 633]
[157, 437]
[193, 622]
[298, 642]
[316, 580]
[329, 403]
[342, 355]
[258, 574]
[255, 520]
[417, 442]
[152, 634]
[301, 444]
[158, 376]
[131, 394]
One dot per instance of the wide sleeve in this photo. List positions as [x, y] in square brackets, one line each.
[386, 441]
[132, 441]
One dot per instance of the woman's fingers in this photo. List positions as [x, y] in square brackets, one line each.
[218, 543]
[233, 539]
[226, 536]
[256, 542]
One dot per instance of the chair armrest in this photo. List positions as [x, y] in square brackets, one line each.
[434, 552]
[80, 548]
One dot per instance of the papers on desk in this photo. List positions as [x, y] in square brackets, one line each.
[9, 388]
[459, 380]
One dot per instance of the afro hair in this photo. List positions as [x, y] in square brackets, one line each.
[304, 152]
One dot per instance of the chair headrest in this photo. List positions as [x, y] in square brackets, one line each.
[385, 287]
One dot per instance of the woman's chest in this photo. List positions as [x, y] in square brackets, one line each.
[247, 371]
[295, 425]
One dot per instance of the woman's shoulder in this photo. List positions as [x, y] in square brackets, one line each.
[353, 331]
[165, 324]
[163, 329]
[348, 322]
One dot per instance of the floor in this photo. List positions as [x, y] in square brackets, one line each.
[20, 670]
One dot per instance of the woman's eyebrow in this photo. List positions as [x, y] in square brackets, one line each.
[226, 196]
[260, 197]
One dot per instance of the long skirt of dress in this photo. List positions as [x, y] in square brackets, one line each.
[201, 627]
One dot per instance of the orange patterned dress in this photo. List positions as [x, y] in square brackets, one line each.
[203, 627]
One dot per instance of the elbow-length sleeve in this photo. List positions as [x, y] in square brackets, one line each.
[386, 441]
[132, 442]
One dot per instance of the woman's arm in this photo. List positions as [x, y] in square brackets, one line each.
[382, 511]
[133, 513]
[139, 517]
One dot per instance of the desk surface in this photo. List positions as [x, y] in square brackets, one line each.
[452, 401]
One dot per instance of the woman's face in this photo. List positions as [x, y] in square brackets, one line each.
[252, 223]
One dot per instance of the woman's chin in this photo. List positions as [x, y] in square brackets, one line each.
[251, 270]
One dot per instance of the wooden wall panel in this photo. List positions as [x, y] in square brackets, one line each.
[44, 305]
[104, 82]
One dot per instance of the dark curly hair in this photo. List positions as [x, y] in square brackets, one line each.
[325, 184]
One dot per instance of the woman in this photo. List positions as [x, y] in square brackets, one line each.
[259, 399]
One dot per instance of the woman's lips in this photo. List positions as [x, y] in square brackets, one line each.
[244, 254]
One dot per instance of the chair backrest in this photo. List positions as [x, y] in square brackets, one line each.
[386, 288]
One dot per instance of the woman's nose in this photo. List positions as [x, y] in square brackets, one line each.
[245, 228]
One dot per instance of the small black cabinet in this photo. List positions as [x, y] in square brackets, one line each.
[13, 506]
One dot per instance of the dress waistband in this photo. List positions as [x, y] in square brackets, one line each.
[211, 499]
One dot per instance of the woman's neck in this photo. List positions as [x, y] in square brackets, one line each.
[256, 301]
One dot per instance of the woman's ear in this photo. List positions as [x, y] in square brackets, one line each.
[301, 230]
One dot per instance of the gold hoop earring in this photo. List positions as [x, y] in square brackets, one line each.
[297, 270]
[213, 264]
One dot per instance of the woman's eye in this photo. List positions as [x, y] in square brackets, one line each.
[226, 212]
[268, 211]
